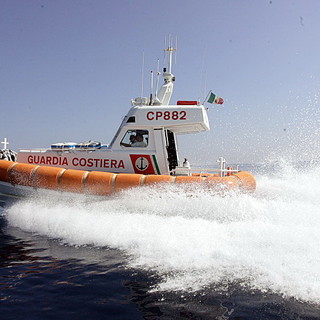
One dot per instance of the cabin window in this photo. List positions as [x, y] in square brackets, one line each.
[135, 139]
[131, 119]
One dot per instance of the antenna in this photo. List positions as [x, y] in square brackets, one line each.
[205, 79]
[204, 74]
[151, 88]
[164, 52]
[142, 74]
[170, 50]
[164, 94]
[175, 56]
[158, 77]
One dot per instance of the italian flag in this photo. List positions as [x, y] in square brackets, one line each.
[215, 99]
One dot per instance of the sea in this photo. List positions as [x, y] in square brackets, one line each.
[167, 252]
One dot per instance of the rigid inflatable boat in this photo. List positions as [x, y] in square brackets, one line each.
[142, 152]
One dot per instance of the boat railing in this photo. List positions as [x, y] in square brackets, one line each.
[34, 150]
[185, 171]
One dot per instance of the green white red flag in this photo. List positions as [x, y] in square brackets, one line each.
[213, 98]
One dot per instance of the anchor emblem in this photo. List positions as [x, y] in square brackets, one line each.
[142, 163]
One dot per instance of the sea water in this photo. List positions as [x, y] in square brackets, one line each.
[168, 252]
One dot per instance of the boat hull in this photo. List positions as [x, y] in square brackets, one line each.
[10, 193]
[19, 179]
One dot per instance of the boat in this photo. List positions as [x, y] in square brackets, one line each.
[142, 152]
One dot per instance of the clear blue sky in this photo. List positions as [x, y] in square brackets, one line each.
[68, 70]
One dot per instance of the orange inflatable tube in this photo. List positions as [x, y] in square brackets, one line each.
[21, 173]
[225, 182]
[4, 169]
[154, 179]
[188, 179]
[72, 180]
[127, 180]
[47, 177]
[248, 182]
[105, 183]
[99, 183]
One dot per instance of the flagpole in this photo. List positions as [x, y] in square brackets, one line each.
[207, 97]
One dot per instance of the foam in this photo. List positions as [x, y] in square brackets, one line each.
[193, 239]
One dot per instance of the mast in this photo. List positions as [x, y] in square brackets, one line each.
[164, 95]
[170, 50]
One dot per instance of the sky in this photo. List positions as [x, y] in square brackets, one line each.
[69, 69]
